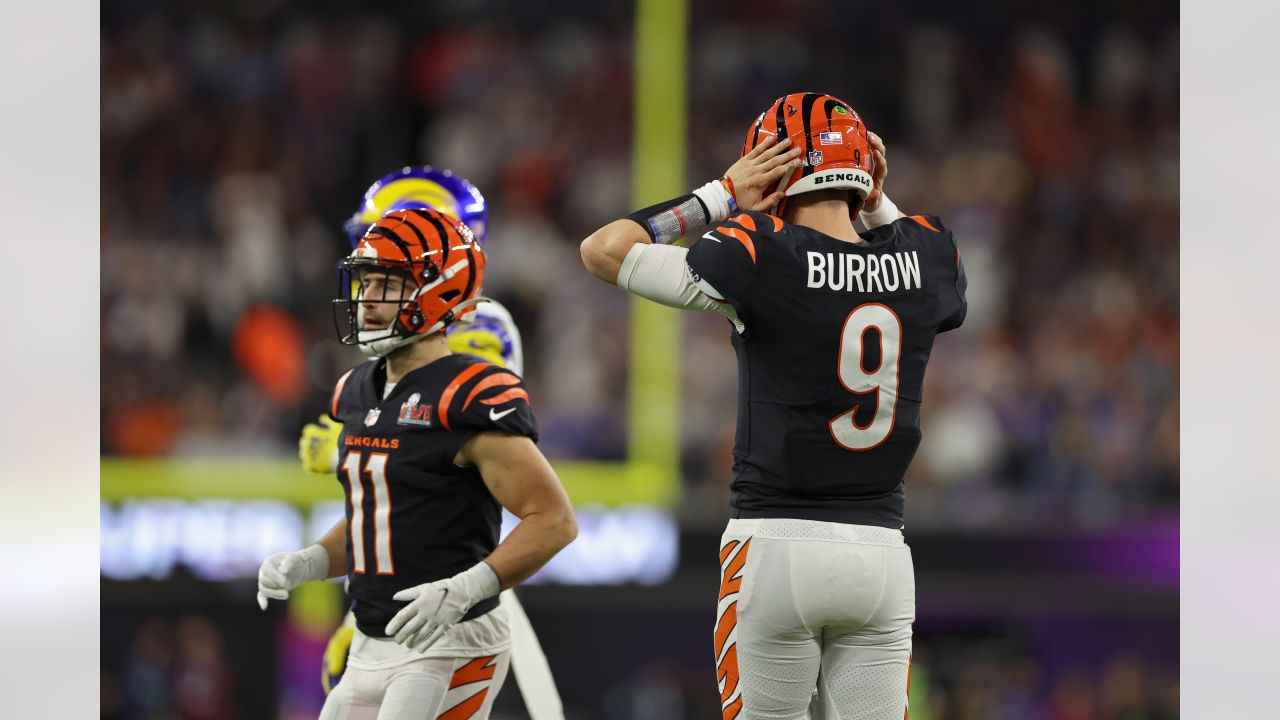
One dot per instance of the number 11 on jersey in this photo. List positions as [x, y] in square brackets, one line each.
[882, 380]
[376, 469]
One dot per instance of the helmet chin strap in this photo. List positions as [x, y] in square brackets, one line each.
[455, 313]
[383, 347]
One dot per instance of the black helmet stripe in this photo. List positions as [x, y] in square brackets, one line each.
[780, 117]
[806, 111]
[827, 106]
[395, 238]
[442, 233]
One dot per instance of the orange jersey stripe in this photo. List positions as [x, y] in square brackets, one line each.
[491, 381]
[745, 221]
[337, 393]
[511, 394]
[453, 389]
[920, 219]
[740, 236]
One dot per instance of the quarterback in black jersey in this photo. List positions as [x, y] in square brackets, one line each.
[832, 331]
[433, 446]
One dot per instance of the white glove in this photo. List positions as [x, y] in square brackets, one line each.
[285, 571]
[435, 607]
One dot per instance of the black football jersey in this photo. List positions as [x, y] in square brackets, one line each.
[413, 516]
[832, 340]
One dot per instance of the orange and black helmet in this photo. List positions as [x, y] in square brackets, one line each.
[836, 149]
[441, 267]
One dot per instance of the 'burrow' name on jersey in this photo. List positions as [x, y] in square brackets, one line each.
[870, 273]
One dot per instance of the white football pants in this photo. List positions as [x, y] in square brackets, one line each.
[806, 603]
[422, 689]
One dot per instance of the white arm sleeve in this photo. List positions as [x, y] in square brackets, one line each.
[660, 273]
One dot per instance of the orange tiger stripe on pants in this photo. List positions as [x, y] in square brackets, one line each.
[732, 559]
[482, 668]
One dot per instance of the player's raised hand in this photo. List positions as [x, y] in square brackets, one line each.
[879, 171]
[318, 446]
[753, 180]
[435, 607]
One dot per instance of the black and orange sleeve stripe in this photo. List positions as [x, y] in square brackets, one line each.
[446, 398]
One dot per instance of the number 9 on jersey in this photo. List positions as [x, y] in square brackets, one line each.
[882, 380]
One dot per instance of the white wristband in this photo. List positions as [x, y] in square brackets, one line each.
[717, 199]
[886, 213]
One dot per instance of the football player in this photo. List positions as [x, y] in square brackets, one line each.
[433, 445]
[489, 334]
[832, 329]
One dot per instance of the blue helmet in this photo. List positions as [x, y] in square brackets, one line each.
[419, 187]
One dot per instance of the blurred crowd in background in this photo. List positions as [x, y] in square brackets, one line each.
[237, 137]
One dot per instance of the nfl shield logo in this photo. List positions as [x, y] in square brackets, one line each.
[815, 157]
[372, 417]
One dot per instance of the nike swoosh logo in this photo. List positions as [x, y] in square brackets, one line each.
[495, 416]
[444, 596]
[709, 236]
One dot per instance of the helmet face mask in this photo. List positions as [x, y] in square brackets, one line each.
[414, 273]
[836, 148]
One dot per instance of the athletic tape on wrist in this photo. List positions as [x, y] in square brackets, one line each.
[669, 221]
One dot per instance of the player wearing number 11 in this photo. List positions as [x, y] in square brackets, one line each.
[433, 445]
[832, 330]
